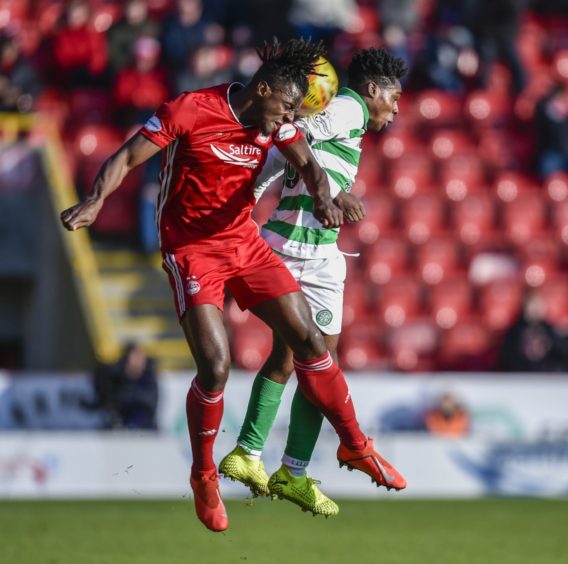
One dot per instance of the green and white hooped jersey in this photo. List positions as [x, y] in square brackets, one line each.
[335, 138]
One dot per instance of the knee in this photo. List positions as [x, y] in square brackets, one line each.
[214, 373]
[313, 344]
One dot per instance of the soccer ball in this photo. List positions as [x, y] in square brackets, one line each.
[321, 89]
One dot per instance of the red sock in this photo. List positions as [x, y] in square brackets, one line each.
[204, 411]
[323, 383]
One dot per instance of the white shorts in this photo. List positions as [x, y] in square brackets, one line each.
[322, 282]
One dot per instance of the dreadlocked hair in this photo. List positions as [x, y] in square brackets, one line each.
[377, 65]
[292, 62]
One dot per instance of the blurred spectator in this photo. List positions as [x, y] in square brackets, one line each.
[551, 120]
[19, 82]
[128, 390]
[532, 344]
[447, 418]
[79, 52]
[323, 19]
[123, 35]
[208, 65]
[186, 30]
[496, 26]
[141, 88]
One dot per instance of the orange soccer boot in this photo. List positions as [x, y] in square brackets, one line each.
[208, 503]
[369, 461]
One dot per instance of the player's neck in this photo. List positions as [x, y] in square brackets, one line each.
[243, 106]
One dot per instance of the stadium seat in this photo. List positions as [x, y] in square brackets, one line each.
[461, 174]
[556, 185]
[396, 143]
[467, 346]
[411, 174]
[90, 107]
[541, 258]
[524, 217]
[360, 346]
[413, 345]
[250, 339]
[496, 148]
[436, 108]
[472, 217]
[422, 217]
[560, 220]
[484, 109]
[399, 300]
[500, 302]
[388, 257]
[355, 300]
[554, 292]
[446, 143]
[379, 218]
[508, 185]
[450, 300]
[437, 258]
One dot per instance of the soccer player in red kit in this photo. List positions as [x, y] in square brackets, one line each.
[215, 143]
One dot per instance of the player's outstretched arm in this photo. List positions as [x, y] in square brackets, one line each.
[134, 152]
[352, 207]
[302, 159]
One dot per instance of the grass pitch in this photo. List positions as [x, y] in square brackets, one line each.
[489, 531]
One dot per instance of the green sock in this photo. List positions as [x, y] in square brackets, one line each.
[304, 430]
[262, 408]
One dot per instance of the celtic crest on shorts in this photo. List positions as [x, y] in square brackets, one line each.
[324, 317]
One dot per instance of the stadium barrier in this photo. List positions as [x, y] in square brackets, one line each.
[517, 444]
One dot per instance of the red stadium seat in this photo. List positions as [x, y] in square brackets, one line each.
[496, 148]
[446, 143]
[360, 346]
[438, 109]
[411, 174]
[399, 301]
[413, 345]
[487, 109]
[461, 174]
[450, 300]
[388, 257]
[467, 346]
[355, 301]
[508, 185]
[524, 217]
[560, 219]
[500, 302]
[379, 218]
[437, 258]
[423, 217]
[394, 144]
[250, 338]
[541, 259]
[473, 217]
[554, 292]
[556, 186]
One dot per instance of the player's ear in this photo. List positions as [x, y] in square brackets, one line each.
[373, 90]
[262, 89]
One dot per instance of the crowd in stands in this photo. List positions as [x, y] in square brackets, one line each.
[467, 194]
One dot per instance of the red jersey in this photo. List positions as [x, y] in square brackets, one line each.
[209, 169]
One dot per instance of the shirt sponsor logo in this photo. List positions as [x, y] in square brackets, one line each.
[153, 124]
[240, 155]
[286, 132]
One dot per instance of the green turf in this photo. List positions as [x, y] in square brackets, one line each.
[491, 531]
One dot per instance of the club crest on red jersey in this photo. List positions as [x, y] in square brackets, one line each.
[193, 286]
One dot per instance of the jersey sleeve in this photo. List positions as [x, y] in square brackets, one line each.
[286, 134]
[173, 119]
[341, 116]
[273, 168]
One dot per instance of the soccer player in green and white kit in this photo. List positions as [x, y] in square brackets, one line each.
[310, 252]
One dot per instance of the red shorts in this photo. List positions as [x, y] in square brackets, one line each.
[252, 273]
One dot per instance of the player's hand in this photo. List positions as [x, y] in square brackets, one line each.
[82, 214]
[351, 206]
[327, 213]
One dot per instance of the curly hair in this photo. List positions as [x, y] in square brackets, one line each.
[377, 65]
[292, 62]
